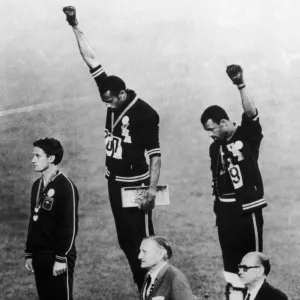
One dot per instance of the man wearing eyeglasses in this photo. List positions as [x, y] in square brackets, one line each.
[253, 271]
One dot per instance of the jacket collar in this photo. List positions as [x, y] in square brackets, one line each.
[260, 292]
[159, 279]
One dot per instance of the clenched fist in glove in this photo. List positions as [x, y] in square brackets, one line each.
[70, 12]
[235, 73]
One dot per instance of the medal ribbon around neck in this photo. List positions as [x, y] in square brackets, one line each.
[38, 200]
[113, 125]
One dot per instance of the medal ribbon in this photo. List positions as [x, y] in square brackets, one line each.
[38, 194]
[40, 185]
[113, 125]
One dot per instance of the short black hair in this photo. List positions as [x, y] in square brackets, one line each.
[113, 84]
[162, 242]
[265, 262]
[215, 113]
[51, 146]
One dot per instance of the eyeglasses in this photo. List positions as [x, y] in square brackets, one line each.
[246, 268]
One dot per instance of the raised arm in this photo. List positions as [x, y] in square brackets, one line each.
[86, 51]
[235, 73]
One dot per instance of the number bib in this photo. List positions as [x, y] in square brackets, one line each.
[113, 145]
[236, 176]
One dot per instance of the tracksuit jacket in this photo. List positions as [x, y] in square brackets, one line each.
[235, 167]
[55, 229]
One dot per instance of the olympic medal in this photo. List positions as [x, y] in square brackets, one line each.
[239, 145]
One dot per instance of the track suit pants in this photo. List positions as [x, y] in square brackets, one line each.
[130, 226]
[238, 233]
[51, 287]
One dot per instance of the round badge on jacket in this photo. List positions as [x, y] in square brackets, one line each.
[238, 145]
[50, 193]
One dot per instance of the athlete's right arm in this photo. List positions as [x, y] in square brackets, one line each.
[86, 51]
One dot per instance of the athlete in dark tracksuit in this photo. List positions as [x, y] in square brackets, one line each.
[131, 170]
[239, 194]
[131, 130]
[53, 227]
[237, 182]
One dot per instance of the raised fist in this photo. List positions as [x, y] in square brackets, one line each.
[70, 12]
[235, 73]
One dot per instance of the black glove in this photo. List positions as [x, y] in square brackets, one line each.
[70, 12]
[147, 205]
[235, 73]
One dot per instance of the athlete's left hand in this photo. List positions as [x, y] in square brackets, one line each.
[59, 268]
[149, 202]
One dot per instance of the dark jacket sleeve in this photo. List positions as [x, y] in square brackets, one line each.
[28, 249]
[99, 76]
[253, 132]
[67, 219]
[213, 165]
[149, 133]
[213, 153]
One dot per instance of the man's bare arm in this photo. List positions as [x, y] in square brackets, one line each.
[155, 164]
[149, 202]
[86, 51]
[248, 104]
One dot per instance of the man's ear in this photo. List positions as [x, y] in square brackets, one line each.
[122, 93]
[223, 123]
[51, 158]
[163, 254]
[261, 271]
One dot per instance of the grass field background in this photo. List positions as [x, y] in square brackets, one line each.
[174, 55]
